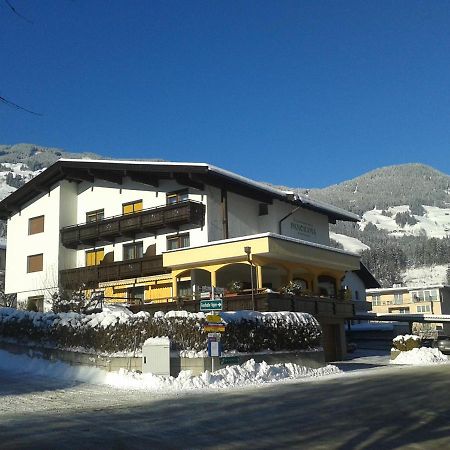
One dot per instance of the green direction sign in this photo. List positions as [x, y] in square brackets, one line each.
[228, 360]
[211, 305]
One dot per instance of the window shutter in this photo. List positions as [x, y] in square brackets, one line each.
[35, 263]
[36, 225]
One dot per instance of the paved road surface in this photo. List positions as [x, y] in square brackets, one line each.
[378, 408]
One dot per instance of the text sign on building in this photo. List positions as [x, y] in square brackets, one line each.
[211, 305]
[302, 230]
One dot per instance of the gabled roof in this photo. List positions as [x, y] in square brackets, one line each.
[370, 282]
[150, 172]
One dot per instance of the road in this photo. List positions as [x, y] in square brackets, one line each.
[375, 408]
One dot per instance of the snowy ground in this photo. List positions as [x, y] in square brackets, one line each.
[250, 373]
[426, 276]
[46, 413]
[434, 223]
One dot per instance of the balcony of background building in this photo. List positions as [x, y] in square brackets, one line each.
[89, 277]
[147, 220]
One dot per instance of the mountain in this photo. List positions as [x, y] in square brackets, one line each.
[405, 226]
[407, 184]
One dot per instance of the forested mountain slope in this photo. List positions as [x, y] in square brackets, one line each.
[405, 212]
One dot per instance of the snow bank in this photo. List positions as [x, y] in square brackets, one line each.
[422, 356]
[250, 373]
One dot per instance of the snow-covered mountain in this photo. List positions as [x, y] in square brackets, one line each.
[405, 224]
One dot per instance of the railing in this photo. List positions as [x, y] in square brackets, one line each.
[88, 277]
[321, 307]
[152, 219]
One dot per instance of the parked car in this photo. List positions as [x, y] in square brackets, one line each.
[443, 344]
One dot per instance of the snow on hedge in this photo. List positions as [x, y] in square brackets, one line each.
[250, 373]
[116, 329]
[422, 356]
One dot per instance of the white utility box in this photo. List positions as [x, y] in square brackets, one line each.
[156, 356]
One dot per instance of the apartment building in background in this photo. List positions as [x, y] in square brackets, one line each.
[429, 300]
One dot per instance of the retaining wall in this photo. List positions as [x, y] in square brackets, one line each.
[312, 359]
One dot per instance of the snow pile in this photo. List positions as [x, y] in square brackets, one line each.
[250, 373]
[422, 356]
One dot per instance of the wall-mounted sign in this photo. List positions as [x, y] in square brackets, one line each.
[301, 230]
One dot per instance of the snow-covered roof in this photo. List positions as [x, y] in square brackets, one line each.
[195, 174]
[406, 288]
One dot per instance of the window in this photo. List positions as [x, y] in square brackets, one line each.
[136, 295]
[178, 241]
[376, 300]
[177, 197]
[95, 216]
[356, 295]
[132, 207]
[35, 303]
[398, 299]
[35, 263]
[94, 257]
[417, 296]
[431, 295]
[263, 209]
[36, 225]
[132, 251]
[423, 309]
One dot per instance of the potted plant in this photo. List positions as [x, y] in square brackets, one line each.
[234, 288]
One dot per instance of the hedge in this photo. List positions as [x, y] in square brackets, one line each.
[109, 333]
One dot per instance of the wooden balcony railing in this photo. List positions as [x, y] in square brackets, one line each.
[89, 277]
[320, 307]
[148, 220]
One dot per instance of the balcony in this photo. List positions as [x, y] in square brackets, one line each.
[147, 220]
[320, 307]
[89, 277]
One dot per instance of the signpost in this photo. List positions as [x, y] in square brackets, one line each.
[211, 305]
[214, 325]
[224, 360]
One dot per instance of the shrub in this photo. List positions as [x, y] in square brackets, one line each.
[406, 342]
[293, 288]
[121, 331]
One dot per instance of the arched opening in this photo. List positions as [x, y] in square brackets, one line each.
[304, 278]
[326, 286]
[236, 277]
[274, 277]
[191, 283]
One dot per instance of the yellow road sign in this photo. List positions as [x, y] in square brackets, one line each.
[214, 318]
[214, 328]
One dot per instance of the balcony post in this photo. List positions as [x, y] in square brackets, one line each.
[259, 277]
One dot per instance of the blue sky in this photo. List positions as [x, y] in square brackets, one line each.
[300, 93]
